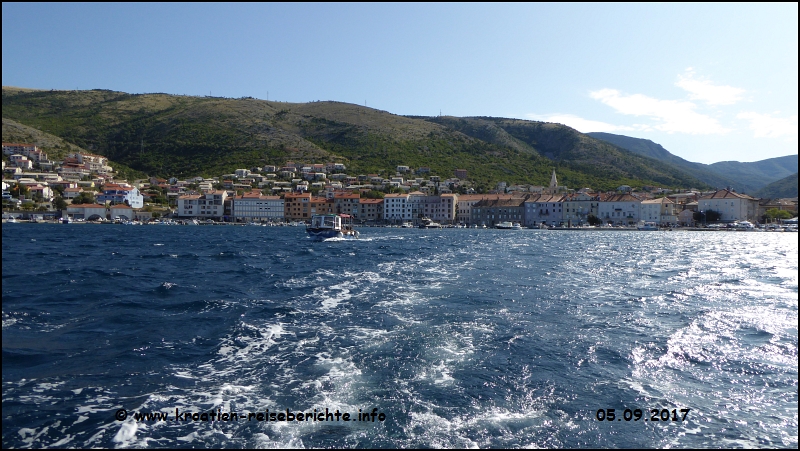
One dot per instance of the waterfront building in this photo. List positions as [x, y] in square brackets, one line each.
[121, 211]
[441, 209]
[345, 202]
[490, 212]
[544, 209]
[619, 209]
[321, 206]
[254, 206]
[369, 211]
[686, 218]
[660, 211]
[730, 205]
[210, 205]
[86, 211]
[578, 207]
[396, 208]
[297, 206]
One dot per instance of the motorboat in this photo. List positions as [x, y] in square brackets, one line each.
[331, 226]
[648, 225]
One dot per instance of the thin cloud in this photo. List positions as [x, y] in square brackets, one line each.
[675, 116]
[766, 126]
[707, 92]
[579, 123]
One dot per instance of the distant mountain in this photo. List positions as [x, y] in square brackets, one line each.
[758, 173]
[743, 177]
[785, 187]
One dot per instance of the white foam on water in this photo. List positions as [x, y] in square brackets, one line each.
[126, 433]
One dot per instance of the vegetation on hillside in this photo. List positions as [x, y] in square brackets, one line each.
[785, 187]
[161, 134]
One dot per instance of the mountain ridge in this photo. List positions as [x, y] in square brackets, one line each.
[164, 134]
[743, 177]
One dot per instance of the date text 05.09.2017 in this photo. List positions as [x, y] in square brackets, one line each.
[638, 414]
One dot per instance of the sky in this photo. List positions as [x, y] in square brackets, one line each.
[709, 82]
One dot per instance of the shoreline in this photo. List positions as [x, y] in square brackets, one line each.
[572, 229]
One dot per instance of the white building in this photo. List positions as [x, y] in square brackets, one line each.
[619, 209]
[254, 206]
[396, 208]
[206, 205]
[730, 205]
[661, 211]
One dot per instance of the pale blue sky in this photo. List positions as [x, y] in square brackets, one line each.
[710, 82]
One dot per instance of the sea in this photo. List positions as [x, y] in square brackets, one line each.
[120, 336]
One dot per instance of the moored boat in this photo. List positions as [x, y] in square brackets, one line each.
[649, 225]
[429, 224]
[508, 225]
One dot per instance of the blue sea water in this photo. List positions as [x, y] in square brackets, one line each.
[460, 338]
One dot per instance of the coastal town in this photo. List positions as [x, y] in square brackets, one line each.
[83, 187]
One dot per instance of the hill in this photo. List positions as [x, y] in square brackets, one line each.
[758, 173]
[743, 177]
[55, 147]
[570, 148]
[785, 187]
[162, 134]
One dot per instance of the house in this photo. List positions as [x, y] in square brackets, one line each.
[21, 162]
[115, 193]
[544, 209]
[661, 211]
[207, 205]
[22, 149]
[686, 218]
[619, 209]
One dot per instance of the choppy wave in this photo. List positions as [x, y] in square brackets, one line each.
[461, 338]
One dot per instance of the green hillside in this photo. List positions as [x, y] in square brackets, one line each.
[783, 188]
[161, 134]
[573, 150]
